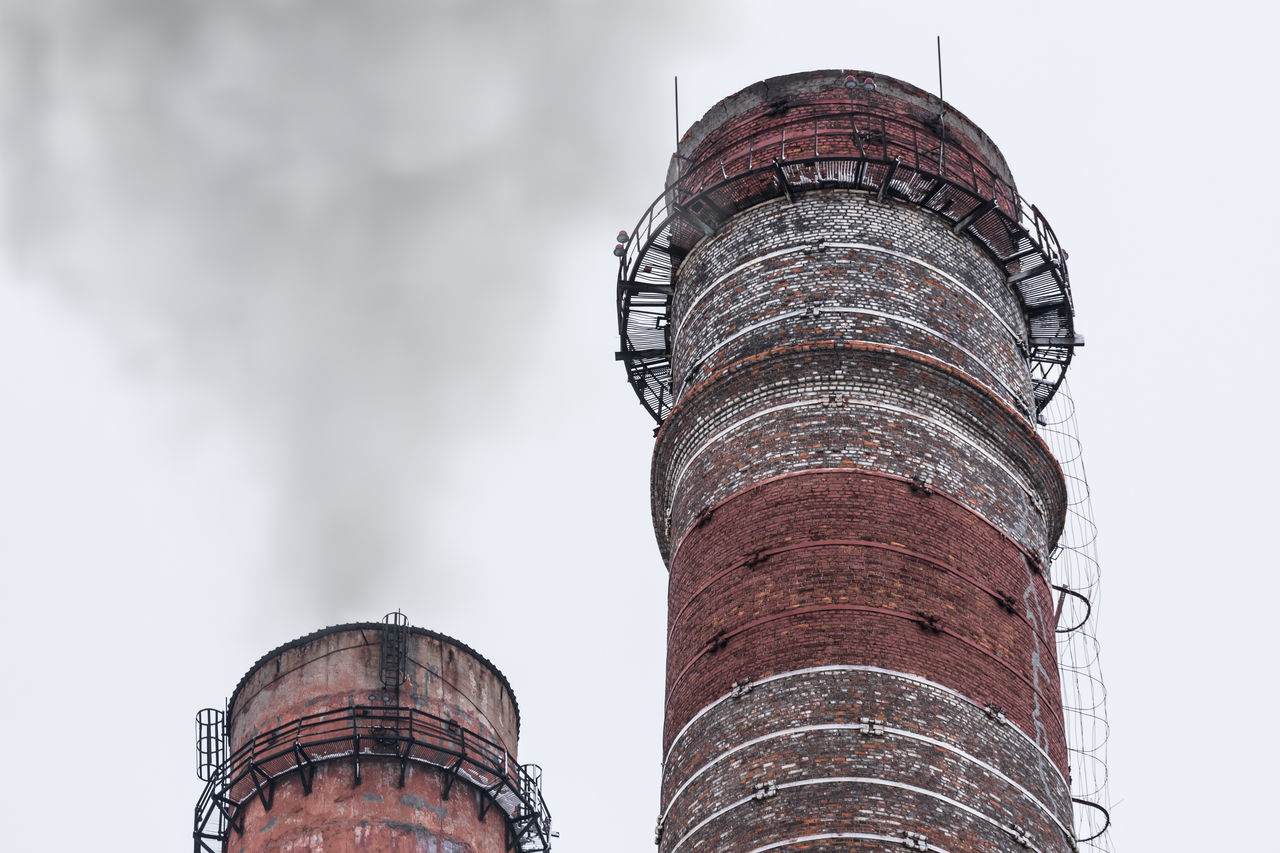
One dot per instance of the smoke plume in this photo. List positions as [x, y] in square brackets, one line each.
[327, 216]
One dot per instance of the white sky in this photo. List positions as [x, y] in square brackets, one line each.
[306, 314]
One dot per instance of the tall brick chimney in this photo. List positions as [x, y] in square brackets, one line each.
[846, 321]
[368, 737]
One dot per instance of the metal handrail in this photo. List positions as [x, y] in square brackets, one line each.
[1106, 818]
[1014, 234]
[400, 733]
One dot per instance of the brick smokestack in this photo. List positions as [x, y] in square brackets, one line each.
[847, 320]
[364, 737]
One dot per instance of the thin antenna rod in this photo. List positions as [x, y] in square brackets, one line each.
[942, 118]
[940, 98]
[676, 80]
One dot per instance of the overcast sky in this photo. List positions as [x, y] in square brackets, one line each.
[306, 314]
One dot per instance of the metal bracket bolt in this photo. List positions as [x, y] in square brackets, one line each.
[871, 727]
[928, 622]
[922, 482]
[765, 790]
[915, 841]
[1020, 835]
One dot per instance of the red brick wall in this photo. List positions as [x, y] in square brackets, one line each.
[375, 816]
[806, 726]
[337, 669]
[855, 509]
[835, 567]
[833, 267]
[895, 120]
[846, 404]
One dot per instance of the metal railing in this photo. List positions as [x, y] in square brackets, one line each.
[398, 734]
[889, 162]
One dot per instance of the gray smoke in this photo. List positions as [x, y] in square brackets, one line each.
[330, 216]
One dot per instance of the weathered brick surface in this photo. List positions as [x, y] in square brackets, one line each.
[836, 567]
[832, 266]
[904, 124]
[839, 404]
[906, 706]
[340, 668]
[857, 806]
[851, 482]
[338, 816]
